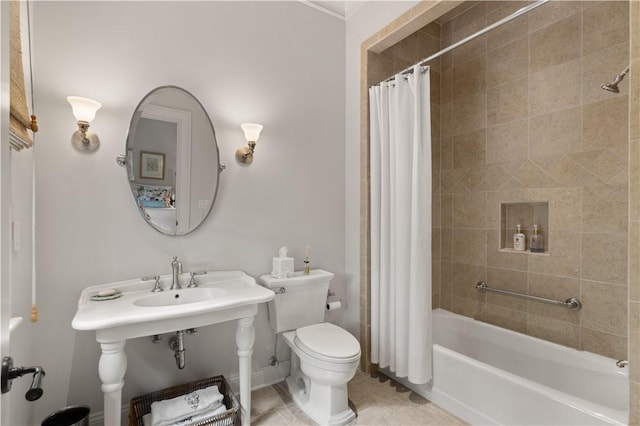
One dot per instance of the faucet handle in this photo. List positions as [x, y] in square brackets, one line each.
[157, 287]
[192, 282]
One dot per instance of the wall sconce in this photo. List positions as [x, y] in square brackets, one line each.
[251, 134]
[84, 110]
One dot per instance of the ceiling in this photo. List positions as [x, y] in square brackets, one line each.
[339, 9]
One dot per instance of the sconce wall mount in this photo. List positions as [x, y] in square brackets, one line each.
[84, 110]
[251, 133]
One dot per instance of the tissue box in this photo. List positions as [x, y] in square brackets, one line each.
[282, 267]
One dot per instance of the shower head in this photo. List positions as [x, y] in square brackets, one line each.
[613, 86]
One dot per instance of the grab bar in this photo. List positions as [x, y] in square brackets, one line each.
[571, 303]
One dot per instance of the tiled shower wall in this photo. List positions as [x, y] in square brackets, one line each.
[587, 157]
[523, 119]
[519, 116]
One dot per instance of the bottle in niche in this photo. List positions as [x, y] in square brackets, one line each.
[519, 239]
[537, 241]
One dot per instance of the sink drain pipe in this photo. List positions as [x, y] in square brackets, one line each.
[177, 346]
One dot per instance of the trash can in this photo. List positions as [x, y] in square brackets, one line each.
[75, 415]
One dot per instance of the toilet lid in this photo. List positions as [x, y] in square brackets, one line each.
[327, 341]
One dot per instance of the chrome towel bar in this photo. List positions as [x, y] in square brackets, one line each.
[571, 303]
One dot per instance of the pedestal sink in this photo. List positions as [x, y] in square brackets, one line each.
[219, 297]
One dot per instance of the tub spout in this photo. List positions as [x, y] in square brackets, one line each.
[622, 363]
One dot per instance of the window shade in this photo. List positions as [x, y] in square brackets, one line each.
[20, 121]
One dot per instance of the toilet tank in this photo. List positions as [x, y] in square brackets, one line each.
[300, 300]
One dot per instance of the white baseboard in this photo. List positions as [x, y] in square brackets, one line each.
[266, 376]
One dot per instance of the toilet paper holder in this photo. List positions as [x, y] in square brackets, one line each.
[333, 305]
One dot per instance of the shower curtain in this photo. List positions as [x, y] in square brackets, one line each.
[400, 162]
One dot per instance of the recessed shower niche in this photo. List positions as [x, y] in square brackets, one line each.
[528, 217]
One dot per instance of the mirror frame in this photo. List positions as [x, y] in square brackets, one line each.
[219, 167]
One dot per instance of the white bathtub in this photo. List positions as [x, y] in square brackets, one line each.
[489, 375]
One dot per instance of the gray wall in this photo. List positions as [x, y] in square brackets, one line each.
[277, 63]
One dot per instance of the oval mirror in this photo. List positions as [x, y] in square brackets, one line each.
[172, 160]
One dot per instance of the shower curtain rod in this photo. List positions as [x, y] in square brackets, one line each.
[465, 40]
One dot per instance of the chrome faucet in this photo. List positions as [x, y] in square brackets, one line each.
[176, 267]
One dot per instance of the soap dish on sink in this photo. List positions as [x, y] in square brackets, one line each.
[109, 296]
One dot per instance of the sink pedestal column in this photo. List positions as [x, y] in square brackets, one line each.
[245, 336]
[111, 368]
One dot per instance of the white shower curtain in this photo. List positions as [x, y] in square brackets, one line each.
[400, 125]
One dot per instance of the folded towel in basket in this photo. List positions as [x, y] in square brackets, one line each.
[181, 409]
[146, 419]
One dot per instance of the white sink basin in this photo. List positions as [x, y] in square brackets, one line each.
[220, 296]
[179, 297]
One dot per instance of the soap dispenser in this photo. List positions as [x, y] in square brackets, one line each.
[519, 239]
[537, 241]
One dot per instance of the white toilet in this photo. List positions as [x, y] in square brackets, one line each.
[324, 357]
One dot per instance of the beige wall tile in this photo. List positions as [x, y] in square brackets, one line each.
[446, 284]
[503, 317]
[557, 288]
[552, 12]
[464, 279]
[566, 171]
[415, 47]
[556, 133]
[606, 23]
[547, 328]
[507, 142]
[469, 246]
[507, 279]
[609, 345]
[508, 32]
[471, 20]
[555, 88]
[605, 208]
[634, 262]
[469, 210]
[446, 153]
[507, 102]
[467, 307]
[605, 125]
[446, 249]
[634, 341]
[469, 149]
[446, 120]
[507, 63]
[469, 77]
[469, 113]
[604, 257]
[556, 43]
[532, 176]
[604, 307]
[470, 50]
[563, 258]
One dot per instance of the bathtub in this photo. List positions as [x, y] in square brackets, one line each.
[489, 375]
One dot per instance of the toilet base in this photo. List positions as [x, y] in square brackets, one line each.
[300, 396]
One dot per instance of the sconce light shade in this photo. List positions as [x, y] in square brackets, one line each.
[84, 110]
[251, 131]
[251, 134]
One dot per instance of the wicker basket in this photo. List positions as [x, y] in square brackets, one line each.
[141, 405]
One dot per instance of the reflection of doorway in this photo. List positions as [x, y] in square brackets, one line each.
[182, 189]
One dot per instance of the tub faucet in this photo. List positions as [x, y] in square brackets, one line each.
[176, 267]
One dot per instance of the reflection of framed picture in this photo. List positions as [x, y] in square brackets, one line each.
[151, 165]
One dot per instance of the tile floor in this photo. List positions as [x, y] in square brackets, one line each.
[378, 400]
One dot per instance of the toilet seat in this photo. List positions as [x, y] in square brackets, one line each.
[328, 342]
